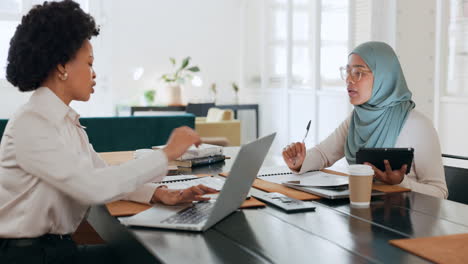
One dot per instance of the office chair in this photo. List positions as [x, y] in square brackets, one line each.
[457, 180]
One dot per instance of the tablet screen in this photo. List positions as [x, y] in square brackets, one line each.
[376, 156]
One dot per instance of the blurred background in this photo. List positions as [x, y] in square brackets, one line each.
[283, 55]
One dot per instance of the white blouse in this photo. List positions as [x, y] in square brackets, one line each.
[427, 172]
[50, 174]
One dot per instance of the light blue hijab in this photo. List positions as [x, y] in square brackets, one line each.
[378, 122]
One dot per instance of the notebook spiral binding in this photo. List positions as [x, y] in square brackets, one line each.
[181, 180]
[274, 174]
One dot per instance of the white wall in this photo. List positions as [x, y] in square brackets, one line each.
[11, 99]
[225, 38]
[146, 33]
[409, 27]
[420, 43]
[416, 48]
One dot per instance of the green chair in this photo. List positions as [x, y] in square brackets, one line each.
[129, 133]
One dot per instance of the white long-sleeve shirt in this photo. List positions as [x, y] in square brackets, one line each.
[50, 174]
[427, 172]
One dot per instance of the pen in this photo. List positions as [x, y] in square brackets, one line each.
[305, 136]
[307, 131]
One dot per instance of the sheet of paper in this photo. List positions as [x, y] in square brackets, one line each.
[212, 182]
[340, 166]
[313, 178]
[179, 177]
[172, 167]
[322, 180]
[274, 170]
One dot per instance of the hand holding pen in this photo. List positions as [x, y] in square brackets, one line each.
[294, 154]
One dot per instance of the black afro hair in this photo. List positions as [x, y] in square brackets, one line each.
[49, 35]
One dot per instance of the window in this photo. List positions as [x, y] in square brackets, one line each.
[304, 43]
[332, 30]
[7, 28]
[278, 43]
[10, 6]
[334, 41]
[457, 60]
[11, 12]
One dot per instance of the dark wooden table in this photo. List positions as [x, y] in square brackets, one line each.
[334, 233]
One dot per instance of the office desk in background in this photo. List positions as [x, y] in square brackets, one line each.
[334, 233]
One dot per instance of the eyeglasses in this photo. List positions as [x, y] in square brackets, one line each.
[354, 73]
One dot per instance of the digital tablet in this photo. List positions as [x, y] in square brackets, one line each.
[376, 156]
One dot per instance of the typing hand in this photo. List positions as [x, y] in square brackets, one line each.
[389, 176]
[294, 155]
[174, 197]
[179, 141]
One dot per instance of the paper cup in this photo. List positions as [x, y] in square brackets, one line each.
[360, 185]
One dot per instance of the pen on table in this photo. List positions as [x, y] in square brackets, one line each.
[305, 136]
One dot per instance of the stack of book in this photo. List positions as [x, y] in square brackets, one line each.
[204, 154]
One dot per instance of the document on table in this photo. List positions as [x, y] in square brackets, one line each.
[282, 175]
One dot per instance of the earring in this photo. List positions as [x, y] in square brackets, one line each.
[64, 76]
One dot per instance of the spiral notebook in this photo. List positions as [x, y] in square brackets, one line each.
[283, 175]
[186, 181]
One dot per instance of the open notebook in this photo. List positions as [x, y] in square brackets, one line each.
[186, 181]
[323, 184]
[282, 175]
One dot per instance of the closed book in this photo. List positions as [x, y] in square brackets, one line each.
[204, 150]
[198, 161]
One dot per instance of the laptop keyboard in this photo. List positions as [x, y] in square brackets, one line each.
[192, 215]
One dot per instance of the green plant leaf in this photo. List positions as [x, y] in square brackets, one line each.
[173, 61]
[235, 87]
[167, 79]
[194, 69]
[185, 63]
[149, 95]
[213, 88]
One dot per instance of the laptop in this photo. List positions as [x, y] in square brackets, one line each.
[329, 193]
[202, 215]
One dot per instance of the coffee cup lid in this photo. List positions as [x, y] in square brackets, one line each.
[360, 170]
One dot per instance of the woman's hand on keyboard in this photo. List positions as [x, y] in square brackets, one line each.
[174, 197]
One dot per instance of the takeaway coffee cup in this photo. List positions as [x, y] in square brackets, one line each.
[360, 184]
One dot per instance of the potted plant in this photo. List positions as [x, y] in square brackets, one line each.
[236, 92]
[175, 80]
[149, 96]
[213, 92]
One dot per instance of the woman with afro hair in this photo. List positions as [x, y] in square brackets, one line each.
[49, 173]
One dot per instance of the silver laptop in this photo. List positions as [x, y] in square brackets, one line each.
[203, 215]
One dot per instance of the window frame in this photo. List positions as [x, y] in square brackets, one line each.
[26, 5]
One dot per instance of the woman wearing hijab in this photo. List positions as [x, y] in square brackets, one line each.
[383, 117]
